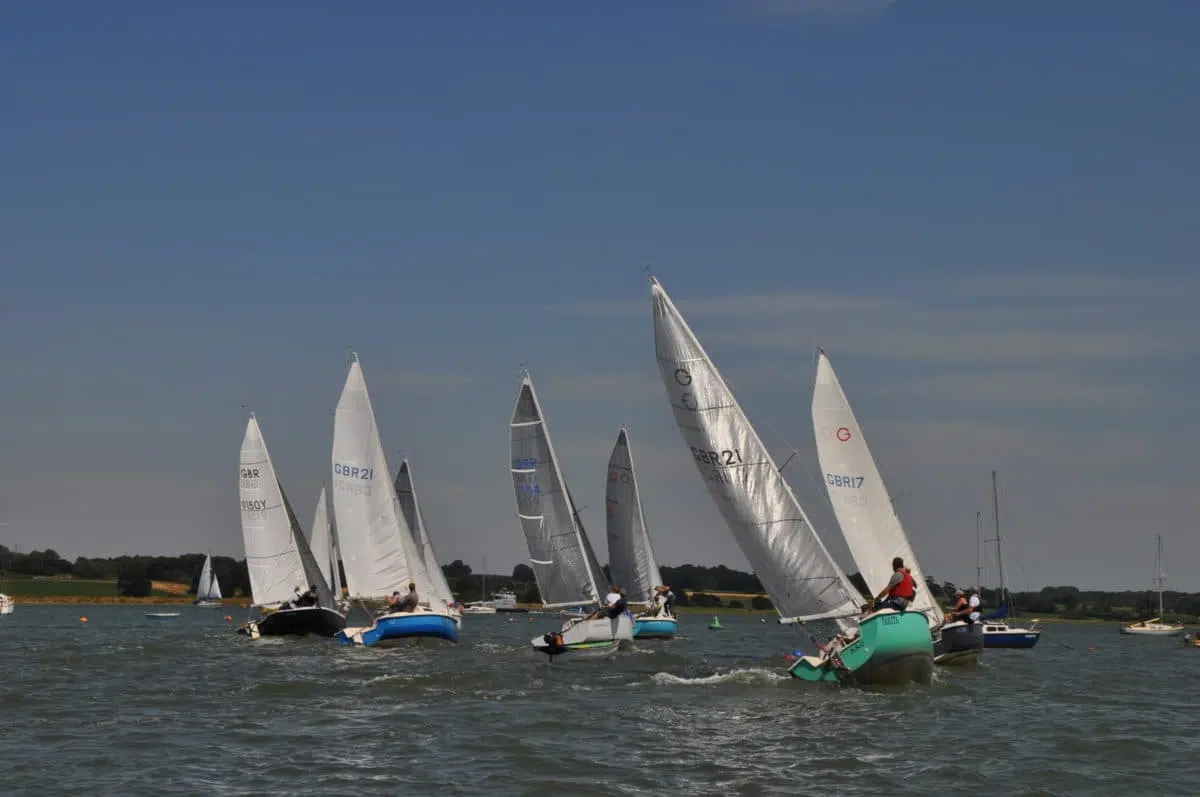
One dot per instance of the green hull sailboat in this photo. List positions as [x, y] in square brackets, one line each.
[891, 648]
[798, 573]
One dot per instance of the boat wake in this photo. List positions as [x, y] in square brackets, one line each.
[751, 676]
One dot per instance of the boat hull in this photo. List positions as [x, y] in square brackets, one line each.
[892, 648]
[655, 627]
[300, 621]
[7, 605]
[1001, 636]
[586, 638]
[958, 643]
[1166, 630]
[208, 604]
[400, 628]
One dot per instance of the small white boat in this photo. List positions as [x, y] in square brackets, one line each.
[479, 607]
[161, 615]
[1154, 626]
[7, 604]
[208, 589]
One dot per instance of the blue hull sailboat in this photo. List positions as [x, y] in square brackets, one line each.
[630, 555]
[996, 632]
[379, 550]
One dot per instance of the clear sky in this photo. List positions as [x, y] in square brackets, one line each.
[985, 212]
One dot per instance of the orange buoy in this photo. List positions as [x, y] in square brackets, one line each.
[228, 618]
[83, 619]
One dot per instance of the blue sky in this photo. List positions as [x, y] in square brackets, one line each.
[984, 212]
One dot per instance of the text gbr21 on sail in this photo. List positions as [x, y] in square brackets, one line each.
[351, 476]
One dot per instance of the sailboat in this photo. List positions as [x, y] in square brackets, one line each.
[481, 606]
[406, 497]
[323, 540]
[867, 516]
[278, 556]
[630, 555]
[801, 577]
[560, 553]
[1154, 626]
[996, 632]
[208, 590]
[378, 552]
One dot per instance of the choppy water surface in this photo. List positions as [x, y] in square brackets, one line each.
[134, 706]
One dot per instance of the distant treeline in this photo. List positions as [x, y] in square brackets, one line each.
[692, 584]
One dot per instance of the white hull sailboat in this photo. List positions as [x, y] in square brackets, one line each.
[868, 519]
[379, 551]
[278, 557]
[630, 555]
[1155, 626]
[208, 590]
[796, 569]
[563, 562]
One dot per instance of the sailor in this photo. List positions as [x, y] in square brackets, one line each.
[293, 601]
[973, 604]
[309, 598]
[668, 600]
[610, 600]
[961, 607]
[406, 604]
[900, 589]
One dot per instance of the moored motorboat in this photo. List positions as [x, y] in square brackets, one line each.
[1002, 635]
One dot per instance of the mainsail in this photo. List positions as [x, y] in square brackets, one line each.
[273, 556]
[377, 548]
[563, 563]
[856, 490]
[207, 588]
[406, 496]
[630, 557]
[802, 579]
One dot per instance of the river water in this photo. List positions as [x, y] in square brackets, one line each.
[128, 705]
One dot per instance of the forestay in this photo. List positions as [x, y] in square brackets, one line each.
[406, 496]
[207, 588]
[377, 548]
[856, 490]
[272, 557]
[630, 556]
[565, 568]
[767, 521]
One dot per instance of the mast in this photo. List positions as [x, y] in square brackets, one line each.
[978, 553]
[1158, 577]
[483, 581]
[999, 558]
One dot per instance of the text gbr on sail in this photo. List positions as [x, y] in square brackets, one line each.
[838, 480]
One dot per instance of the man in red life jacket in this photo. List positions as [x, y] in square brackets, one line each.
[900, 589]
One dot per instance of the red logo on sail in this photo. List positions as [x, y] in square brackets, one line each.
[843, 433]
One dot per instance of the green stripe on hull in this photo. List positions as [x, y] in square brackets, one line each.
[892, 648]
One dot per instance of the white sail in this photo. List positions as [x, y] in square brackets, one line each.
[560, 554]
[770, 527]
[406, 495]
[859, 497]
[272, 556]
[378, 553]
[207, 588]
[321, 541]
[630, 556]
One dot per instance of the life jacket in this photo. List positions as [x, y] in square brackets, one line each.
[907, 588]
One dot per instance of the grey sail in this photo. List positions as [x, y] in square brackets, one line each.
[312, 571]
[589, 553]
[406, 496]
[630, 556]
[768, 523]
[564, 569]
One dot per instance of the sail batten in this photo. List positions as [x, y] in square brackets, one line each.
[756, 502]
[630, 555]
[551, 525]
[859, 497]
